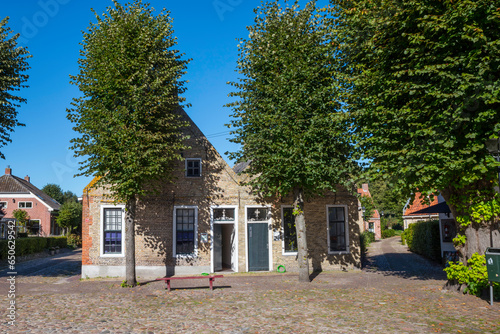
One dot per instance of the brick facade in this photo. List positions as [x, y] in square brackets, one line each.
[219, 186]
[15, 191]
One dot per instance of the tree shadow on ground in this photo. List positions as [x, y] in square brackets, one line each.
[405, 265]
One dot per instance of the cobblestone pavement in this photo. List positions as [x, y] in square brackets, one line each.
[398, 292]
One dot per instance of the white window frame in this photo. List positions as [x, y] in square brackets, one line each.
[186, 167]
[235, 223]
[101, 237]
[5, 205]
[283, 252]
[270, 241]
[346, 217]
[174, 238]
[19, 205]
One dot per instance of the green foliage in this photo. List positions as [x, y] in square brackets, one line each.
[70, 216]
[423, 88]
[74, 241]
[54, 191]
[423, 238]
[13, 65]
[130, 130]
[26, 246]
[459, 240]
[388, 233]
[60, 242]
[288, 117]
[481, 211]
[21, 216]
[387, 198]
[474, 275]
[366, 238]
[403, 238]
[368, 207]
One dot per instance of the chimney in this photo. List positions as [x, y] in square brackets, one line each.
[27, 178]
[8, 171]
[365, 187]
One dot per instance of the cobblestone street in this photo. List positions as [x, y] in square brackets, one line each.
[398, 292]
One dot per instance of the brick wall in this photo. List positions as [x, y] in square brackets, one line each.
[37, 211]
[218, 185]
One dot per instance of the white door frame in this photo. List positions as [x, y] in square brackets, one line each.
[270, 234]
[234, 255]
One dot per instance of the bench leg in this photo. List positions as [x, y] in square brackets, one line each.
[168, 284]
[211, 283]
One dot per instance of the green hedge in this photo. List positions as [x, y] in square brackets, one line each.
[366, 238]
[423, 238]
[388, 233]
[25, 246]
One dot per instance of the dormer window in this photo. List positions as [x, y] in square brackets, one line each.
[193, 167]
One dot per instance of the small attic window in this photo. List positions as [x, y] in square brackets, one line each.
[193, 167]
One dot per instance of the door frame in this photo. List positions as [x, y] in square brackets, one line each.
[270, 234]
[234, 256]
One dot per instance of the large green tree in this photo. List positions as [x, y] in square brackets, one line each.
[130, 130]
[70, 216]
[54, 191]
[422, 84]
[13, 65]
[287, 108]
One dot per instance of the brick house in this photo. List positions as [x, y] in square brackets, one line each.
[410, 210]
[373, 223]
[206, 221]
[17, 193]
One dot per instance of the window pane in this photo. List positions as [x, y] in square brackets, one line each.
[337, 228]
[289, 230]
[112, 231]
[185, 219]
[224, 214]
[257, 214]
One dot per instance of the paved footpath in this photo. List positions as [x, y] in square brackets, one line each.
[398, 292]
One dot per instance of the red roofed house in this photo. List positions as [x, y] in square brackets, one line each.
[373, 223]
[409, 215]
[17, 193]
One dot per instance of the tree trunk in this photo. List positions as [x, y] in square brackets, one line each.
[300, 226]
[479, 235]
[130, 242]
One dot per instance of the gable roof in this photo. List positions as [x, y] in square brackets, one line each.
[10, 184]
[412, 209]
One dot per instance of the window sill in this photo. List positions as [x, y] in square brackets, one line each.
[112, 255]
[289, 253]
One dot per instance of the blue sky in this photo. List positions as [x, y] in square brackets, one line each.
[52, 30]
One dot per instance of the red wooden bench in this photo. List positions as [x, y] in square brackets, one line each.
[211, 279]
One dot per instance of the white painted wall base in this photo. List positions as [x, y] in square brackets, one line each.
[147, 272]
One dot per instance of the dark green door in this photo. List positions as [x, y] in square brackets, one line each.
[258, 246]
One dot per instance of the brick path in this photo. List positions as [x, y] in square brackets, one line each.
[398, 292]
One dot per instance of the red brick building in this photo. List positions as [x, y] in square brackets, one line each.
[409, 212]
[17, 193]
[371, 224]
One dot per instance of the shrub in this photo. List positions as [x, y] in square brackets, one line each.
[474, 275]
[366, 238]
[74, 241]
[61, 242]
[403, 238]
[423, 238]
[388, 233]
[25, 246]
